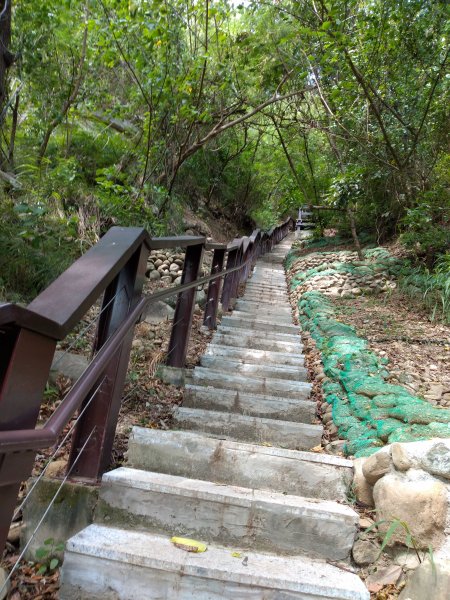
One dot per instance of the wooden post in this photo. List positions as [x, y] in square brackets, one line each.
[212, 297]
[120, 297]
[184, 311]
[26, 358]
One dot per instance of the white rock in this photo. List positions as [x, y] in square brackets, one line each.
[3, 577]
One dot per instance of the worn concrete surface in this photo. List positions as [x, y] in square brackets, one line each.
[258, 405]
[130, 565]
[197, 456]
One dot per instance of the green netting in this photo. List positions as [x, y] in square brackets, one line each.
[367, 410]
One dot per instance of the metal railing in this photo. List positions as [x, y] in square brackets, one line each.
[113, 269]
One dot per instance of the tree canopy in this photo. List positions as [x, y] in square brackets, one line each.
[125, 111]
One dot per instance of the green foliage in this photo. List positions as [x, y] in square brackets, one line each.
[45, 555]
[430, 287]
[35, 246]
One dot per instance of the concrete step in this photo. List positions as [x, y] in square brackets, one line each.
[197, 456]
[229, 515]
[266, 285]
[103, 563]
[250, 306]
[256, 357]
[257, 405]
[270, 305]
[268, 280]
[272, 295]
[258, 385]
[219, 363]
[273, 317]
[237, 427]
[261, 333]
[250, 340]
[260, 324]
[266, 290]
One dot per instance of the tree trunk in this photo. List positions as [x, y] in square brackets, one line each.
[6, 57]
[351, 218]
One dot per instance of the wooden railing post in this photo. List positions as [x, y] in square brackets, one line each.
[26, 358]
[184, 311]
[213, 295]
[120, 297]
[228, 282]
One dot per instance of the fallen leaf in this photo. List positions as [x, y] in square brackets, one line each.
[188, 545]
[386, 576]
[317, 449]
[365, 523]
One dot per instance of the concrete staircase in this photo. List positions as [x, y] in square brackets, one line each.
[235, 474]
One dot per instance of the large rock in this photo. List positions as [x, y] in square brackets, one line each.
[400, 457]
[419, 501]
[437, 460]
[154, 275]
[4, 589]
[376, 466]
[158, 312]
[365, 551]
[67, 364]
[200, 298]
[361, 488]
[428, 581]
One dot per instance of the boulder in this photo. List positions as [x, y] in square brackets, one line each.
[362, 489]
[200, 298]
[400, 457]
[67, 364]
[429, 580]
[405, 498]
[4, 589]
[365, 551]
[158, 312]
[437, 460]
[377, 465]
[154, 275]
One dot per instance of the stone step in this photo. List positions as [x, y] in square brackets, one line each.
[272, 295]
[257, 405]
[197, 456]
[266, 290]
[269, 300]
[228, 515]
[249, 306]
[260, 333]
[266, 285]
[258, 385]
[238, 339]
[219, 363]
[260, 324]
[261, 315]
[256, 357]
[267, 278]
[110, 563]
[270, 304]
[245, 428]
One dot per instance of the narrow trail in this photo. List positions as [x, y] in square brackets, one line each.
[235, 474]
